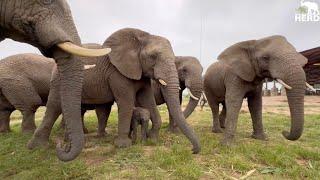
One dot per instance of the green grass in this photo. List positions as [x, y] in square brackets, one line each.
[170, 158]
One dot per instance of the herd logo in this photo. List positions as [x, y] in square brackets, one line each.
[307, 12]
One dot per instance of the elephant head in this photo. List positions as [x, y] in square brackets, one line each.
[138, 54]
[190, 77]
[272, 57]
[48, 25]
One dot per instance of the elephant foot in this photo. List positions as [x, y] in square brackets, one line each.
[260, 136]
[101, 134]
[217, 130]
[38, 142]
[28, 130]
[122, 142]
[85, 130]
[153, 135]
[4, 130]
[228, 140]
[174, 129]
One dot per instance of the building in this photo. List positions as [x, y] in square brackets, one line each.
[312, 68]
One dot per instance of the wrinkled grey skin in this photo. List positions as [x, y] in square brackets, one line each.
[24, 86]
[190, 76]
[141, 117]
[44, 24]
[124, 76]
[240, 72]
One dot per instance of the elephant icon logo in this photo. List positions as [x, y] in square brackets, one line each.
[311, 7]
[308, 11]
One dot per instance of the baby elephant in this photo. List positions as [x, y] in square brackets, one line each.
[141, 117]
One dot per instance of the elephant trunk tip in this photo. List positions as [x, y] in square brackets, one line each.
[67, 152]
[291, 136]
[196, 149]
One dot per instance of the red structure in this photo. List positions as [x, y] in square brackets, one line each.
[312, 68]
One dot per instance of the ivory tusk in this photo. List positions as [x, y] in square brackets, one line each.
[192, 96]
[86, 67]
[80, 51]
[284, 84]
[179, 88]
[310, 87]
[162, 82]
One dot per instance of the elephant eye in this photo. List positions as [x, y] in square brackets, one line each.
[266, 58]
[153, 56]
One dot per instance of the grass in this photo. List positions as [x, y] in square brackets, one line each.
[170, 158]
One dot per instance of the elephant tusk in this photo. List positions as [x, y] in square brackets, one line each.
[192, 96]
[284, 84]
[179, 88]
[80, 51]
[310, 87]
[86, 67]
[162, 82]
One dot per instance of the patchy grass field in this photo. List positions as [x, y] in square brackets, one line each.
[171, 158]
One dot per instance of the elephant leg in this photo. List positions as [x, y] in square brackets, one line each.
[146, 100]
[255, 108]
[222, 116]
[5, 121]
[234, 99]
[28, 121]
[133, 130]
[144, 130]
[41, 135]
[214, 105]
[23, 96]
[85, 130]
[103, 113]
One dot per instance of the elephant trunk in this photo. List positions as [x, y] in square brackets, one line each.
[171, 96]
[296, 79]
[196, 90]
[71, 78]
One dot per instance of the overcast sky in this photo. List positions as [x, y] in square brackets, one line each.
[223, 23]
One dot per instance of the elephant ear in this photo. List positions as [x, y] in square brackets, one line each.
[125, 45]
[238, 58]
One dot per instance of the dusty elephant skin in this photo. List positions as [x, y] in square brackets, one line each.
[49, 26]
[124, 77]
[190, 76]
[24, 86]
[140, 116]
[239, 73]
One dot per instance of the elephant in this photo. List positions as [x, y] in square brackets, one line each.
[190, 77]
[140, 116]
[124, 76]
[239, 73]
[24, 86]
[48, 25]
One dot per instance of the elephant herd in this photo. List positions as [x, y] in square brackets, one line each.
[137, 71]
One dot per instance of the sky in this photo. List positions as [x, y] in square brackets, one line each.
[199, 28]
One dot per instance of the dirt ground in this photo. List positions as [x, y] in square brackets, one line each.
[279, 105]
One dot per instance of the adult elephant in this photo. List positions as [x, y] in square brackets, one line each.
[190, 77]
[240, 72]
[48, 25]
[24, 86]
[123, 76]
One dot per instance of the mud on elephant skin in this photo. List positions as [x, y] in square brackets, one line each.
[49, 26]
[24, 86]
[124, 77]
[239, 73]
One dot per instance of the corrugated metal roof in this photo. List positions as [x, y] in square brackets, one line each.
[312, 71]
